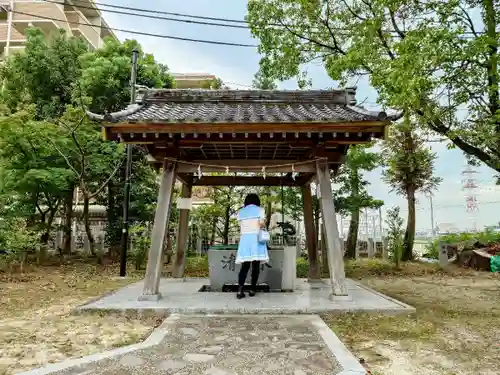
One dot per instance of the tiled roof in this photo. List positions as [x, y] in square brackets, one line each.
[239, 106]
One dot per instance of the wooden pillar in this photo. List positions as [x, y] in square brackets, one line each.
[312, 253]
[163, 206]
[182, 235]
[324, 252]
[333, 245]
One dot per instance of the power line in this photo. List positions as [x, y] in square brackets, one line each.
[186, 15]
[138, 32]
[151, 16]
[165, 13]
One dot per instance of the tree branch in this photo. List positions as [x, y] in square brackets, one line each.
[401, 34]
[101, 188]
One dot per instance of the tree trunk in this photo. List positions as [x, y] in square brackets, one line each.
[212, 231]
[490, 20]
[410, 226]
[113, 227]
[88, 229]
[316, 225]
[227, 218]
[324, 254]
[269, 207]
[352, 236]
[68, 220]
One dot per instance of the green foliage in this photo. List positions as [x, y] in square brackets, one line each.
[409, 168]
[141, 238]
[43, 74]
[213, 84]
[409, 163]
[105, 76]
[217, 220]
[467, 240]
[413, 53]
[395, 234]
[302, 268]
[16, 239]
[262, 82]
[351, 194]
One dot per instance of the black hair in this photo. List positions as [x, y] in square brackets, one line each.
[252, 199]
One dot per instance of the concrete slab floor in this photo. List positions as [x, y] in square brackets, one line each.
[183, 296]
[224, 345]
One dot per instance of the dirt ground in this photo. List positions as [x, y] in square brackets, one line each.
[455, 331]
[36, 327]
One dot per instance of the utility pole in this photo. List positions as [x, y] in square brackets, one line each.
[432, 218]
[128, 170]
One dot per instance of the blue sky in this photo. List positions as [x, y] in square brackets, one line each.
[237, 65]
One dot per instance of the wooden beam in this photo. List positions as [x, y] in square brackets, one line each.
[254, 166]
[250, 128]
[305, 179]
[312, 252]
[182, 236]
[244, 181]
[333, 244]
[155, 263]
[186, 179]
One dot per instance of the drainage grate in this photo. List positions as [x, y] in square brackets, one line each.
[233, 288]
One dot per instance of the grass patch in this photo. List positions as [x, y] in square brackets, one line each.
[196, 266]
[36, 327]
[454, 331]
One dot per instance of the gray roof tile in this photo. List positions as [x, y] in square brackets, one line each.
[237, 106]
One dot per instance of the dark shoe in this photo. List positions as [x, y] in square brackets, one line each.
[241, 293]
[252, 293]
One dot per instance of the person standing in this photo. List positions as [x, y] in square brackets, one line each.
[251, 250]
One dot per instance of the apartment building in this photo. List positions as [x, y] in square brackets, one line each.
[192, 80]
[49, 16]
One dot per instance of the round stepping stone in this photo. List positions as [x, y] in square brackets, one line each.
[131, 361]
[212, 349]
[217, 371]
[195, 357]
[172, 365]
[189, 331]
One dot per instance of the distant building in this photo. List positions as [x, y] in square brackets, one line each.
[193, 80]
[77, 20]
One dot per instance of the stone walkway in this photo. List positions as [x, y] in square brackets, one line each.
[225, 345]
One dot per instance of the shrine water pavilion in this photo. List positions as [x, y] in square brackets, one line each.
[269, 138]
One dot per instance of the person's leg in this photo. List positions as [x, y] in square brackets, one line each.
[242, 276]
[255, 277]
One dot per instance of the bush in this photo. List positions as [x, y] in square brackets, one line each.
[468, 240]
[16, 241]
[141, 240]
[302, 268]
[395, 235]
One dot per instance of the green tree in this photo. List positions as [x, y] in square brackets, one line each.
[415, 55]
[409, 170]
[93, 162]
[352, 196]
[105, 82]
[43, 74]
[33, 171]
[262, 82]
[213, 84]
[395, 234]
[105, 77]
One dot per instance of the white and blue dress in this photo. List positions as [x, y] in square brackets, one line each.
[249, 247]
